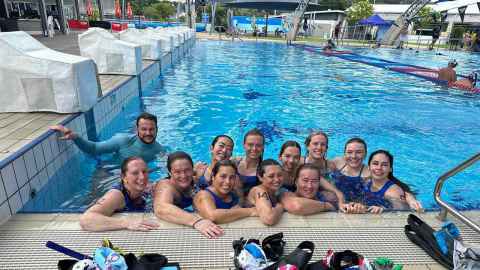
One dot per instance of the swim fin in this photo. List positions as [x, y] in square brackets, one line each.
[421, 234]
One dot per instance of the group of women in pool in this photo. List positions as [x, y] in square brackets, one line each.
[231, 188]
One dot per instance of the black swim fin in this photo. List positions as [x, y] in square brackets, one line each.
[421, 234]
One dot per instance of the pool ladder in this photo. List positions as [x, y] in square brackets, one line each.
[447, 208]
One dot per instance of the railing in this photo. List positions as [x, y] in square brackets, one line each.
[446, 208]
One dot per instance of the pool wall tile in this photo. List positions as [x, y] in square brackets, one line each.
[30, 163]
[9, 180]
[20, 171]
[50, 159]
[3, 194]
[5, 213]
[15, 202]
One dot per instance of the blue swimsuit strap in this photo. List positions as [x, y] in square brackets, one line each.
[216, 198]
[382, 191]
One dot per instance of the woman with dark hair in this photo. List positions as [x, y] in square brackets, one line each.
[317, 146]
[351, 174]
[218, 202]
[127, 195]
[289, 156]
[253, 144]
[307, 199]
[384, 190]
[220, 149]
[173, 196]
[266, 196]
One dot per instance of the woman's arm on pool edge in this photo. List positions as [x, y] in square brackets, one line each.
[165, 209]
[268, 215]
[205, 206]
[303, 206]
[99, 216]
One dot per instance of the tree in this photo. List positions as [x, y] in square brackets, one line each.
[360, 9]
[160, 11]
[426, 16]
[138, 6]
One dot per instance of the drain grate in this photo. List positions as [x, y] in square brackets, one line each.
[26, 249]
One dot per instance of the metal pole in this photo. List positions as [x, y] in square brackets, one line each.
[61, 16]
[214, 7]
[43, 16]
[100, 10]
[123, 10]
[77, 9]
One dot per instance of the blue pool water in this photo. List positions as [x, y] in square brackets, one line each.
[287, 92]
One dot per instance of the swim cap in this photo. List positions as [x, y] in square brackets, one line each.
[453, 63]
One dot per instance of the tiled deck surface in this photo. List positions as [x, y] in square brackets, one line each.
[23, 238]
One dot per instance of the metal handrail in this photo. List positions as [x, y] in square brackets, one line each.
[445, 206]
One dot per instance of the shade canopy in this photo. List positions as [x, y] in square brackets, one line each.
[374, 20]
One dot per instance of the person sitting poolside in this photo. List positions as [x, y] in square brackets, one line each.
[142, 144]
[383, 190]
[220, 149]
[253, 144]
[307, 199]
[218, 202]
[266, 197]
[350, 174]
[127, 195]
[290, 154]
[467, 84]
[448, 73]
[173, 196]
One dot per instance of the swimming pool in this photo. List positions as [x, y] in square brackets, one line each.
[287, 92]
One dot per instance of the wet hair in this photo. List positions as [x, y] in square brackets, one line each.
[177, 156]
[147, 116]
[287, 144]
[223, 163]
[125, 162]
[215, 140]
[356, 140]
[264, 164]
[255, 132]
[306, 166]
[399, 183]
[313, 134]
[452, 63]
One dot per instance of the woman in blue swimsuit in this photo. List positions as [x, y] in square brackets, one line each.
[266, 196]
[218, 202]
[220, 149]
[350, 174]
[174, 194]
[289, 156]
[128, 195]
[253, 144]
[383, 190]
[317, 146]
[307, 199]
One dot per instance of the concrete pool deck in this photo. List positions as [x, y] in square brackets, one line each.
[23, 238]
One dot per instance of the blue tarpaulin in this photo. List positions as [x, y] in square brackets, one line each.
[374, 20]
[244, 23]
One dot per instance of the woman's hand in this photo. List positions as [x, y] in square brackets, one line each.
[375, 209]
[208, 228]
[141, 225]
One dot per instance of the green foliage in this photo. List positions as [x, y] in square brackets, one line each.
[426, 16]
[138, 6]
[360, 9]
[160, 11]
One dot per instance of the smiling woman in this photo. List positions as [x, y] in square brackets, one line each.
[127, 195]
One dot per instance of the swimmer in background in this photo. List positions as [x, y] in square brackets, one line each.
[220, 149]
[468, 83]
[219, 202]
[330, 46]
[448, 73]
